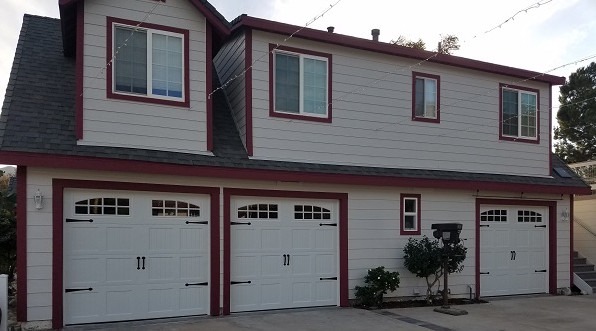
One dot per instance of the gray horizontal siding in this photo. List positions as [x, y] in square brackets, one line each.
[372, 123]
[229, 64]
[110, 122]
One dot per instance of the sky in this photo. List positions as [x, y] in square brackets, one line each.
[537, 35]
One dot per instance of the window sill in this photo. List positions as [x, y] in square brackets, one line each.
[301, 117]
[520, 140]
[409, 232]
[150, 100]
[426, 119]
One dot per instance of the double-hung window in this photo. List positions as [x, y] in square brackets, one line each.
[148, 63]
[425, 97]
[519, 113]
[300, 84]
[410, 214]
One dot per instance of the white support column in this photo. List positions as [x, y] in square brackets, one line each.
[4, 302]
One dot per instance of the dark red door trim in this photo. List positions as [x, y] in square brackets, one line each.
[343, 234]
[571, 246]
[22, 243]
[552, 236]
[58, 186]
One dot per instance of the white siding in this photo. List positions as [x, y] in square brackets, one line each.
[373, 234]
[229, 63]
[585, 213]
[372, 123]
[120, 123]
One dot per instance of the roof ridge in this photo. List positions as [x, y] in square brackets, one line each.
[13, 76]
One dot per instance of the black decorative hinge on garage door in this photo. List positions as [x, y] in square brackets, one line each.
[246, 282]
[197, 284]
[328, 278]
[240, 223]
[327, 224]
[74, 220]
[68, 290]
[197, 222]
[543, 270]
[540, 226]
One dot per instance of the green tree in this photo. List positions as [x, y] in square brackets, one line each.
[378, 281]
[424, 258]
[447, 44]
[576, 133]
[8, 229]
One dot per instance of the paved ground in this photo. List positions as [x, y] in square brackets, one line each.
[534, 313]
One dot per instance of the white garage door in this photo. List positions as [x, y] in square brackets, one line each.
[134, 255]
[513, 250]
[283, 254]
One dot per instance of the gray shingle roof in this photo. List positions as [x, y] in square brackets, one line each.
[38, 116]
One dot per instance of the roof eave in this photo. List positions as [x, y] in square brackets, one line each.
[390, 49]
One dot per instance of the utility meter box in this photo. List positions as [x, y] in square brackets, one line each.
[448, 232]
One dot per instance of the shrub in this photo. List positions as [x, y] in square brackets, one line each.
[424, 258]
[378, 282]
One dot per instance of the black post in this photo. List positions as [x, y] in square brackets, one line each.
[445, 274]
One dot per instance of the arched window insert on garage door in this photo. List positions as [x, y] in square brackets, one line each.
[494, 215]
[528, 216]
[174, 208]
[261, 211]
[310, 212]
[103, 206]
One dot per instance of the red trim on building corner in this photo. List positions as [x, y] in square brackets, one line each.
[272, 112]
[121, 165]
[209, 85]
[22, 243]
[550, 129]
[79, 75]
[520, 140]
[58, 186]
[552, 236]
[343, 234]
[418, 198]
[110, 94]
[571, 246]
[248, 90]
[425, 119]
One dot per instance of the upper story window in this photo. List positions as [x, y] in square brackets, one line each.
[410, 214]
[425, 97]
[149, 63]
[300, 84]
[519, 113]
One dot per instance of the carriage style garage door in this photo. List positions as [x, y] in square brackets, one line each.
[284, 253]
[513, 250]
[134, 255]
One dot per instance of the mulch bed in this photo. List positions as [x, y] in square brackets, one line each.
[422, 303]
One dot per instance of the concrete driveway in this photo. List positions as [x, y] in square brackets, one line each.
[529, 313]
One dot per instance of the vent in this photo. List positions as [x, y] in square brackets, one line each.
[562, 172]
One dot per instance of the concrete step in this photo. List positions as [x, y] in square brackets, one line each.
[579, 260]
[575, 254]
[587, 274]
[583, 267]
[591, 282]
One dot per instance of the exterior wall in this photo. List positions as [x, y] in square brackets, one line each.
[373, 228]
[584, 210]
[111, 122]
[229, 63]
[372, 123]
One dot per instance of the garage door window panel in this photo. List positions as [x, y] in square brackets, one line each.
[258, 211]
[528, 216]
[173, 208]
[311, 212]
[103, 206]
[494, 215]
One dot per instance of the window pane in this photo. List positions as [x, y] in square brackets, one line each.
[409, 222]
[419, 92]
[167, 65]
[410, 205]
[287, 83]
[315, 86]
[510, 115]
[430, 98]
[130, 62]
[528, 115]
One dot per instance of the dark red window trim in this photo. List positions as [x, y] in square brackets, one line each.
[520, 88]
[272, 112]
[146, 99]
[402, 230]
[21, 216]
[426, 119]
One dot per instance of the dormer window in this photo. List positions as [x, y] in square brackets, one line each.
[148, 63]
[300, 84]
